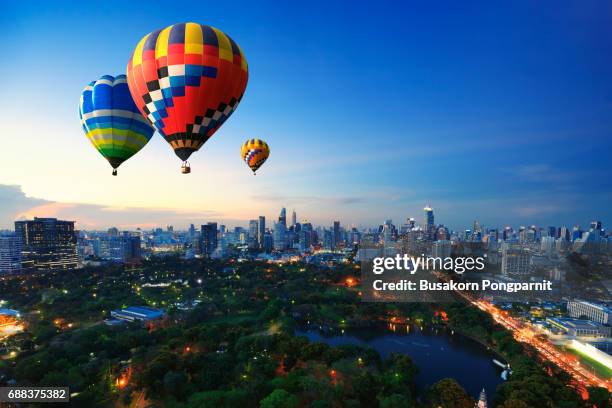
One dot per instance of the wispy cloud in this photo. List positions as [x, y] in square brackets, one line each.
[541, 173]
[309, 200]
[16, 205]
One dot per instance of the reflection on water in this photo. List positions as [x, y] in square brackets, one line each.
[437, 352]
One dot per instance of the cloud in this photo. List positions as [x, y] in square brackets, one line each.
[17, 205]
[309, 200]
[14, 201]
[541, 173]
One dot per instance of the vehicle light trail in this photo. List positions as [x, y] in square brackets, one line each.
[525, 334]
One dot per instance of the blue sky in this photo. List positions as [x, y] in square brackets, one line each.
[501, 113]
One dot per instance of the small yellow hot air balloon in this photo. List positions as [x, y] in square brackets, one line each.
[255, 152]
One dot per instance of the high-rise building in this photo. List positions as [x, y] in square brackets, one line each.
[47, 243]
[564, 233]
[548, 245]
[208, 238]
[597, 313]
[130, 248]
[10, 254]
[252, 240]
[430, 226]
[305, 236]
[293, 218]
[328, 239]
[267, 242]
[280, 232]
[441, 249]
[336, 239]
[262, 230]
[282, 218]
[515, 259]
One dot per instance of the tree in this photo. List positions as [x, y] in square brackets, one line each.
[447, 393]
[279, 399]
[396, 401]
[600, 397]
[174, 382]
[513, 403]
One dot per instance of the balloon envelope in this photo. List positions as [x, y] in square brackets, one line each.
[111, 120]
[254, 153]
[187, 79]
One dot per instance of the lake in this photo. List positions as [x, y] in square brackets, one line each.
[438, 353]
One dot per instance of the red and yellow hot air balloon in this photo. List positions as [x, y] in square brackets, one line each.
[255, 152]
[187, 79]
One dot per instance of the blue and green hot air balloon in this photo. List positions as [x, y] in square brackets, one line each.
[111, 120]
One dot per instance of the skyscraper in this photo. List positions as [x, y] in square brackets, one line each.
[262, 230]
[280, 231]
[10, 253]
[336, 235]
[430, 227]
[441, 249]
[47, 243]
[282, 218]
[253, 234]
[515, 259]
[328, 239]
[130, 248]
[293, 218]
[208, 238]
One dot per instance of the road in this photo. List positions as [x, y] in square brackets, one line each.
[523, 332]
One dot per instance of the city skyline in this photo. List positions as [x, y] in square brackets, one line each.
[499, 130]
[428, 222]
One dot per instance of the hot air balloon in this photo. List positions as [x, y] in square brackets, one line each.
[112, 121]
[187, 79]
[255, 152]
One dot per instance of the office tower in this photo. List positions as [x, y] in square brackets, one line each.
[253, 231]
[576, 233]
[328, 239]
[208, 238]
[564, 233]
[387, 235]
[441, 249]
[515, 259]
[354, 236]
[548, 245]
[191, 231]
[196, 243]
[47, 243]
[222, 229]
[262, 230]
[282, 218]
[597, 313]
[336, 235]
[267, 242]
[411, 223]
[293, 218]
[508, 233]
[280, 231]
[305, 236]
[430, 227]
[596, 225]
[10, 254]
[553, 232]
[130, 248]
[113, 232]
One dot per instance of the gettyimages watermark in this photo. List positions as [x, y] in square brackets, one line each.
[392, 275]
